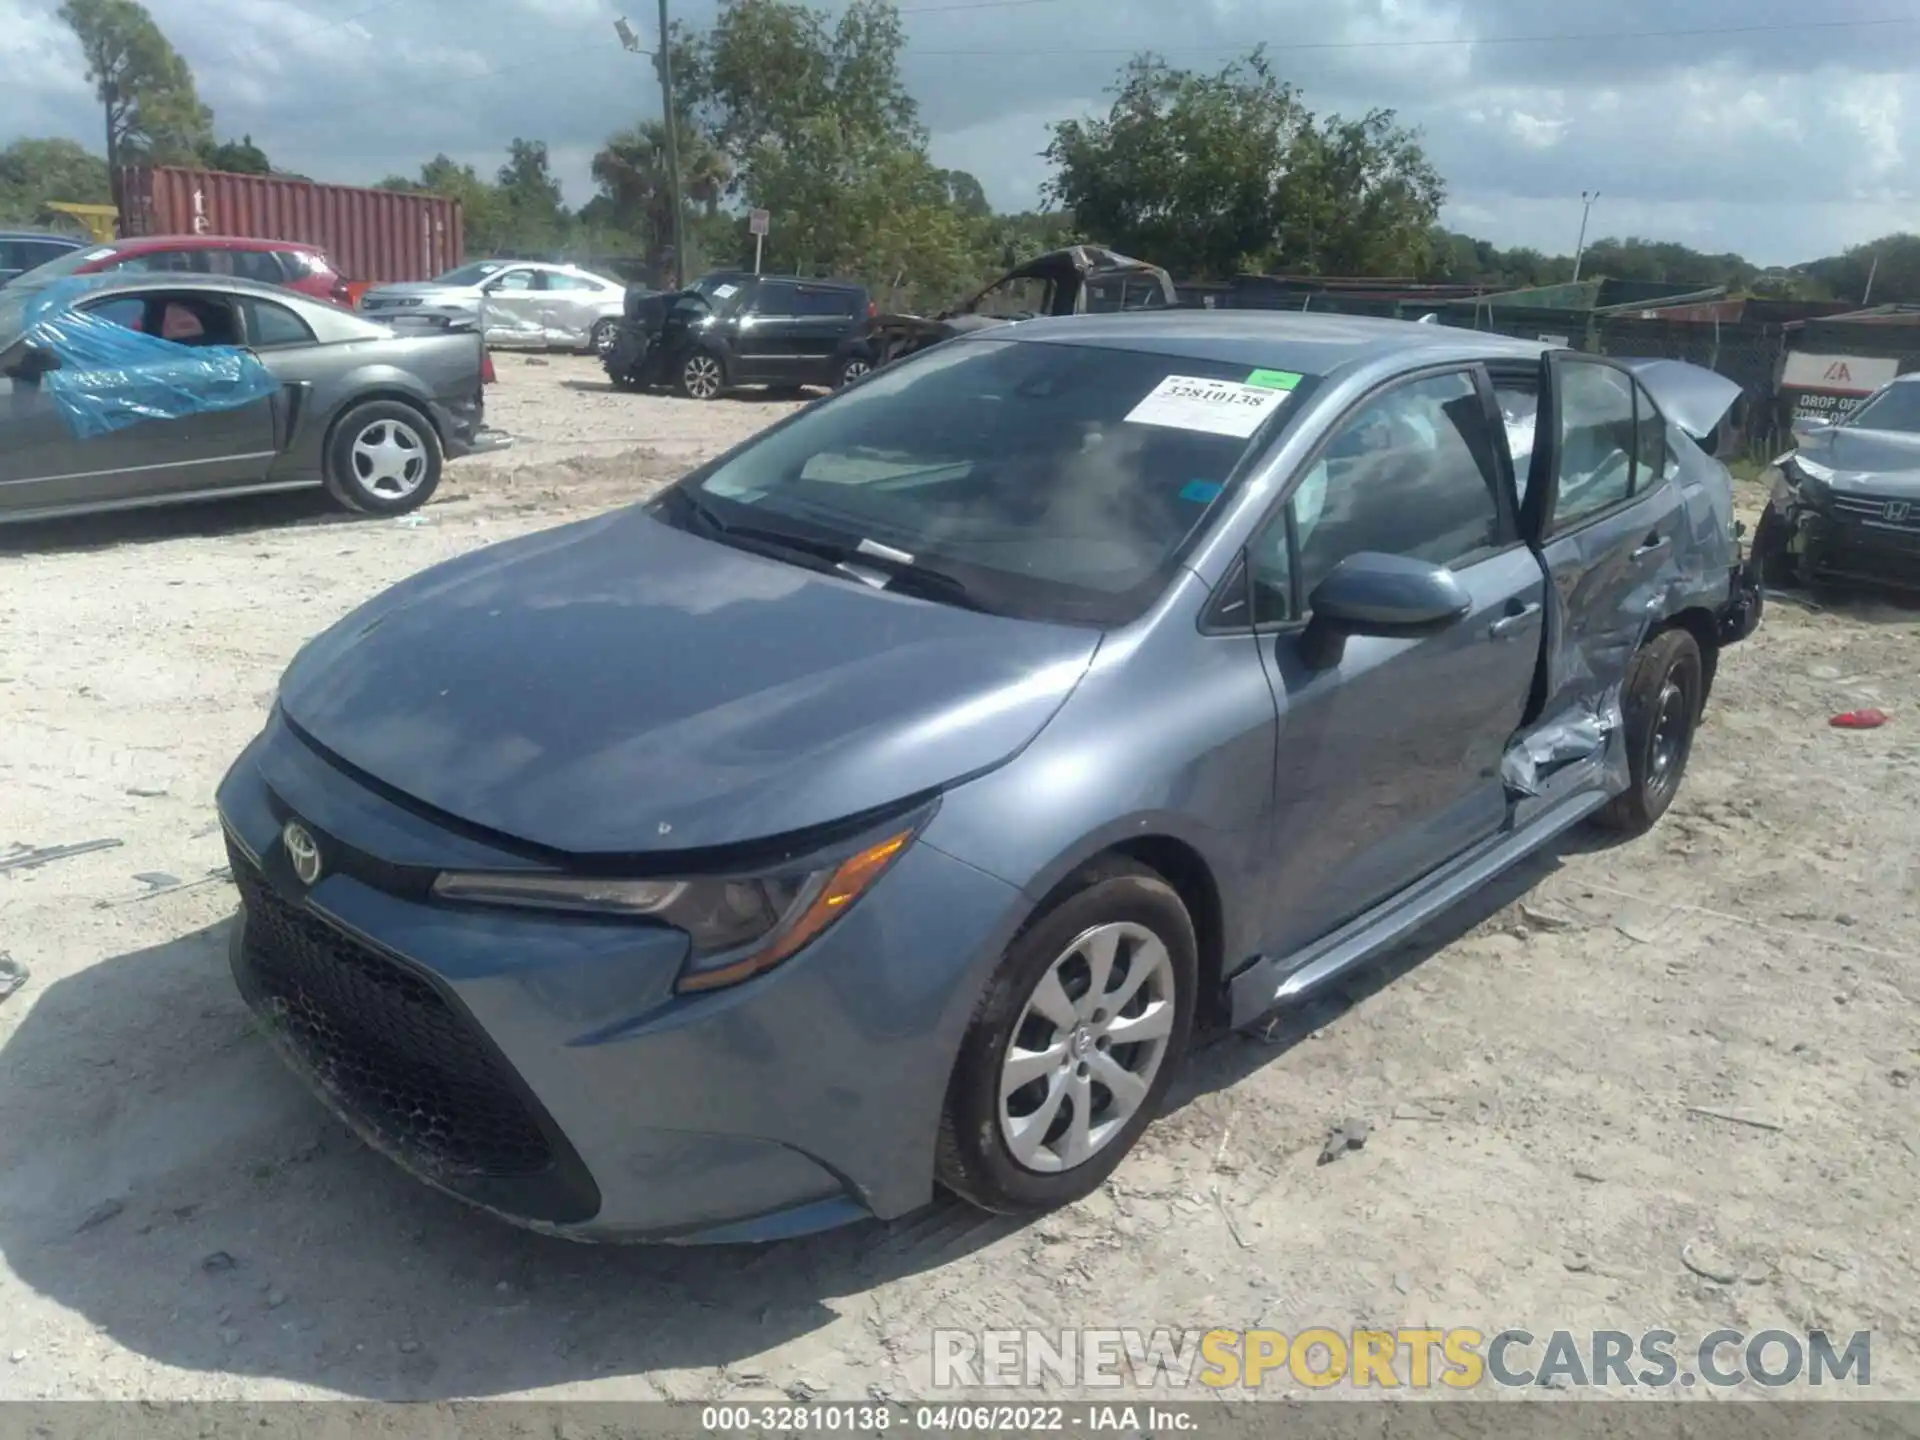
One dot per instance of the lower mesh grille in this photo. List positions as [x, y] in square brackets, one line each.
[385, 1044]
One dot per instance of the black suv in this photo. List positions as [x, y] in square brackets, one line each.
[734, 328]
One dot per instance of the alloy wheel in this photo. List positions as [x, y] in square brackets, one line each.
[701, 376]
[389, 459]
[1086, 1047]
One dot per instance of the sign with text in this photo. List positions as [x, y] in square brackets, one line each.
[759, 222]
[1829, 387]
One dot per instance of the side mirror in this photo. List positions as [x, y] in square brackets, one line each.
[1385, 595]
[34, 361]
[1811, 425]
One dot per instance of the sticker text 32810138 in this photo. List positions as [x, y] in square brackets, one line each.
[1216, 407]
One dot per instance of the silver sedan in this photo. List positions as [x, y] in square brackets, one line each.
[527, 303]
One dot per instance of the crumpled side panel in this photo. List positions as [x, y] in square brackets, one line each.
[1581, 748]
[111, 377]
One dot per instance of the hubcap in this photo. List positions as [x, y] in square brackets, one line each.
[389, 459]
[703, 377]
[603, 339]
[855, 369]
[1087, 1047]
[1667, 745]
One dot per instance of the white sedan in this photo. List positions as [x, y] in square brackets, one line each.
[526, 303]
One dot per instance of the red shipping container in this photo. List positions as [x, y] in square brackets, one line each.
[372, 236]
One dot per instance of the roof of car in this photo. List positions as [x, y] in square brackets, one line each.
[134, 244]
[1310, 344]
[55, 235]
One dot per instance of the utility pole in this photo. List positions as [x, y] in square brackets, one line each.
[663, 62]
[1867, 295]
[1587, 197]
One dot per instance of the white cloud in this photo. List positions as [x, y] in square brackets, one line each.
[1782, 142]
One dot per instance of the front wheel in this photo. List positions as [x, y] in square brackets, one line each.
[701, 377]
[600, 339]
[383, 458]
[1072, 1047]
[1661, 702]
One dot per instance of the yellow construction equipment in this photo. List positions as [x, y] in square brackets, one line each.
[101, 221]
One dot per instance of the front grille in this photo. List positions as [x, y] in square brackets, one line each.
[1880, 514]
[385, 1045]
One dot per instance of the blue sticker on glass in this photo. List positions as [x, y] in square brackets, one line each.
[1201, 492]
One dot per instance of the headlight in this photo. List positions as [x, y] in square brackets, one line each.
[1813, 470]
[740, 925]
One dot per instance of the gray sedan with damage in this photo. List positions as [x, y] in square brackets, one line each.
[894, 798]
[369, 413]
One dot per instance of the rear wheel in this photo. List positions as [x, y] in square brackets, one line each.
[854, 367]
[1661, 702]
[701, 377]
[1072, 1047]
[383, 458]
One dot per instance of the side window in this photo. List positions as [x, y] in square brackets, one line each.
[1519, 404]
[129, 312]
[512, 282]
[272, 326]
[776, 298]
[811, 301]
[261, 265]
[1597, 442]
[556, 281]
[1655, 456]
[1411, 473]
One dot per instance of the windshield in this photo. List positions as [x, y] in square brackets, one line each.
[1895, 408]
[67, 264]
[1055, 481]
[471, 274]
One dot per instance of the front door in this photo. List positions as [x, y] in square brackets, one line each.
[1606, 514]
[1389, 760]
[45, 465]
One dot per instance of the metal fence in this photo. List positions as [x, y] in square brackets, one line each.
[1751, 354]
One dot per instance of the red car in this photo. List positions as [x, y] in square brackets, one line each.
[290, 263]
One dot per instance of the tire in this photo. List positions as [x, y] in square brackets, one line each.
[854, 367]
[1665, 688]
[383, 458]
[1778, 569]
[702, 376]
[600, 339]
[975, 1155]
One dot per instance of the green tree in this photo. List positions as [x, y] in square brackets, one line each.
[635, 197]
[1208, 175]
[535, 209]
[483, 214]
[966, 194]
[237, 157]
[153, 112]
[1892, 263]
[35, 173]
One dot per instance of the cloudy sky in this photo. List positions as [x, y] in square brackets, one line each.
[1778, 128]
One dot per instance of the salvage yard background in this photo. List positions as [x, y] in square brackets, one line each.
[1627, 1072]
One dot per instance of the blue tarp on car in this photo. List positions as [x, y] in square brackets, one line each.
[111, 377]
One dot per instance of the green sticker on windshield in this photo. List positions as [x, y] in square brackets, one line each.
[1274, 379]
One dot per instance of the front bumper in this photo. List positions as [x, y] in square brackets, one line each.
[1848, 537]
[541, 1067]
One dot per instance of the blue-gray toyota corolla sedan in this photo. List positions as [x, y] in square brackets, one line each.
[890, 801]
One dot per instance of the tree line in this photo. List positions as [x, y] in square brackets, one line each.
[781, 107]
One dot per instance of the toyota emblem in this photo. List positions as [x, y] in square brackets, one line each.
[1898, 510]
[302, 850]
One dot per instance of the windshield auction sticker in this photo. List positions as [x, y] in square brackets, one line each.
[1217, 407]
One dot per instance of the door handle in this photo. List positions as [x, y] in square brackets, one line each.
[1652, 543]
[1510, 625]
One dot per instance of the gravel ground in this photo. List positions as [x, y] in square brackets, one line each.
[178, 1218]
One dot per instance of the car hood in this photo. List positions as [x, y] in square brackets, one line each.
[618, 686]
[1884, 462]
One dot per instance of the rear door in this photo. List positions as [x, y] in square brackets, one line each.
[1389, 761]
[1602, 505]
[515, 300]
[824, 315]
[574, 303]
[765, 338]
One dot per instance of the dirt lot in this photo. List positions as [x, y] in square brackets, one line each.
[179, 1219]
